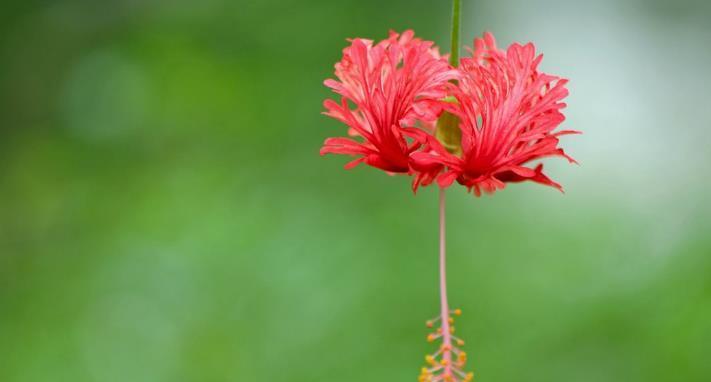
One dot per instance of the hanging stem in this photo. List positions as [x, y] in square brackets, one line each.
[454, 47]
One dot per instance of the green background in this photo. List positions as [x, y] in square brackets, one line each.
[165, 216]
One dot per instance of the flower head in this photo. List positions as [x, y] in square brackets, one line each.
[507, 113]
[385, 89]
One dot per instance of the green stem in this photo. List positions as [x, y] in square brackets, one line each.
[456, 16]
[447, 131]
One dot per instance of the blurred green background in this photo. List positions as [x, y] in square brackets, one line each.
[165, 216]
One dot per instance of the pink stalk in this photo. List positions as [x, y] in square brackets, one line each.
[444, 314]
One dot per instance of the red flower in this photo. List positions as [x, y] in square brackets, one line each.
[508, 112]
[390, 86]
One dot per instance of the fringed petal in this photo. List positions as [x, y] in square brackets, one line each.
[385, 88]
[508, 114]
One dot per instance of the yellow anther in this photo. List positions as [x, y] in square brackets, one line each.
[430, 324]
[439, 330]
[457, 312]
[445, 347]
[469, 377]
[431, 337]
[444, 362]
[451, 330]
[451, 320]
[430, 360]
[460, 342]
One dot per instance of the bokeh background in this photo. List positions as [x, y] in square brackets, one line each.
[165, 216]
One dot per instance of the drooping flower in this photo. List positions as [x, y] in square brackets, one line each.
[411, 112]
[507, 113]
[385, 89]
